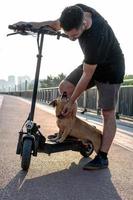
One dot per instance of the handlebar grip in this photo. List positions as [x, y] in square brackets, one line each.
[13, 27]
[24, 26]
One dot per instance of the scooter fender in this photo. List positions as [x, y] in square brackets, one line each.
[29, 137]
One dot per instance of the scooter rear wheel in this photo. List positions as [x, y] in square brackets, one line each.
[26, 154]
[87, 150]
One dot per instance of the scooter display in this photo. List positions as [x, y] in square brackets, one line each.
[31, 141]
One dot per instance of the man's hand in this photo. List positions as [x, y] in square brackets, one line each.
[68, 108]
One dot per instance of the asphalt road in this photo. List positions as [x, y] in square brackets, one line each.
[59, 176]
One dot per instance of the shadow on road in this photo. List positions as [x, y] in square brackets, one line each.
[69, 184]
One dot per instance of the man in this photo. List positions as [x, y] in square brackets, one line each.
[103, 66]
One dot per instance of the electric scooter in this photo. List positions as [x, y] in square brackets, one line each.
[31, 141]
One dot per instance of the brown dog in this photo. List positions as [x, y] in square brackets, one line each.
[73, 126]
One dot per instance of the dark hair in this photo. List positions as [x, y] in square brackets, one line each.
[71, 17]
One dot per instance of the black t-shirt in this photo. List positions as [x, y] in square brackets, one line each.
[100, 46]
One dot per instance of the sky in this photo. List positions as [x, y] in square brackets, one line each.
[18, 53]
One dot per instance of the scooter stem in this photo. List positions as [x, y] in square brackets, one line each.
[34, 95]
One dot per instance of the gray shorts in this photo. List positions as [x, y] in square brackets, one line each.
[107, 93]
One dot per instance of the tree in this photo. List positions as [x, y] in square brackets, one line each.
[52, 81]
[128, 82]
[130, 76]
[128, 79]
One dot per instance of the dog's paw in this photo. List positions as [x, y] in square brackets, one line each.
[54, 139]
[60, 140]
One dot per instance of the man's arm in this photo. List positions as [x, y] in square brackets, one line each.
[53, 24]
[88, 71]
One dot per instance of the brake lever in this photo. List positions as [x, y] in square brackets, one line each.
[9, 34]
[19, 32]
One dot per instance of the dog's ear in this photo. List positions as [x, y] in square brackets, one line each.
[53, 103]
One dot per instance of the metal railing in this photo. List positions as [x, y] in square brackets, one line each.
[88, 100]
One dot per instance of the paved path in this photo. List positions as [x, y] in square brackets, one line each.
[59, 176]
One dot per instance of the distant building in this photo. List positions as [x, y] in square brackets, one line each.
[3, 85]
[11, 79]
[11, 82]
[23, 82]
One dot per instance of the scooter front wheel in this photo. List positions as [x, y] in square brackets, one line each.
[26, 154]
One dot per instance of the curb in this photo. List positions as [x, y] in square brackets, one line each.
[119, 121]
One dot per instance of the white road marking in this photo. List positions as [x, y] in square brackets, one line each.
[1, 100]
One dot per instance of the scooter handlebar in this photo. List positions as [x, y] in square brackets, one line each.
[27, 27]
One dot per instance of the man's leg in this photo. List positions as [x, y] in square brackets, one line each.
[69, 83]
[109, 129]
[108, 94]
[66, 86]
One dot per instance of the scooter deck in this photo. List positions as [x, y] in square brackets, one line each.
[68, 139]
[70, 143]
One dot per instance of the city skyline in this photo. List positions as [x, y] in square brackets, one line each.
[14, 83]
